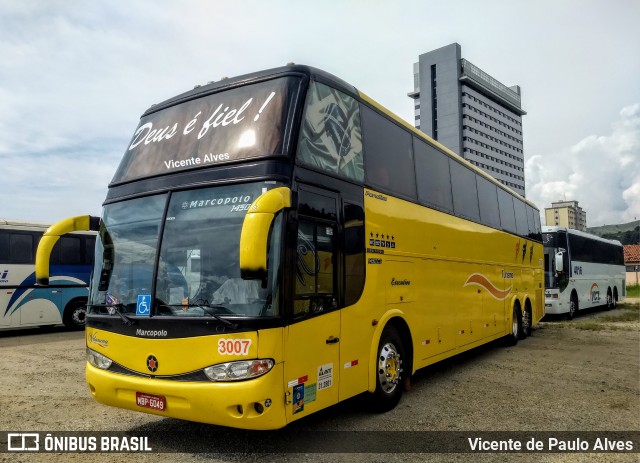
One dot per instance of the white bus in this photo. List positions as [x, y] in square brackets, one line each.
[581, 271]
[22, 302]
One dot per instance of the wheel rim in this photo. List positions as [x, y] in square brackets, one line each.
[514, 325]
[389, 367]
[609, 301]
[78, 316]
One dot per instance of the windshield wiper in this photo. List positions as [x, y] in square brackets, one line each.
[116, 309]
[206, 305]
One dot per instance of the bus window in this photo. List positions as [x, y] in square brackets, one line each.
[314, 268]
[507, 214]
[20, 249]
[465, 192]
[432, 176]
[522, 223]
[354, 253]
[330, 138]
[389, 155]
[488, 200]
[70, 250]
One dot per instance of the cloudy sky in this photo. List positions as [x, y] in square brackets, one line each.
[76, 75]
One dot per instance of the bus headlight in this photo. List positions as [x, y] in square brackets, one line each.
[98, 360]
[236, 371]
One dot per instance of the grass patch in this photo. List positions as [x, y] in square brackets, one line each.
[593, 326]
[633, 291]
[623, 316]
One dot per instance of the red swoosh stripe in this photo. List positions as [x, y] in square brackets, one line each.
[481, 280]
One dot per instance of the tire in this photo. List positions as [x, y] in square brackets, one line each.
[75, 315]
[609, 304]
[615, 297]
[527, 321]
[516, 328]
[573, 307]
[389, 372]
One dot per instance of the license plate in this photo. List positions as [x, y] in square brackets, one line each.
[155, 402]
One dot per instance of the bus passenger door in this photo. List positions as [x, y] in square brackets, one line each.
[312, 339]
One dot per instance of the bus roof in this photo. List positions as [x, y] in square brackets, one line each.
[17, 224]
[333, 81]
[573, 231]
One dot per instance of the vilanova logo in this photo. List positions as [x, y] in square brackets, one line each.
[3, 276]
[404, 282]
[93, 338]
[594, 293]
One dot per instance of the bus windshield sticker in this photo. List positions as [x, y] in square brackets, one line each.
[143, 306]
[238, 123]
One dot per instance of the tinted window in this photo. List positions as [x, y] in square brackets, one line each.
[488, 201]
[4, 247]
[70, 250]
[388, 155]
[522, 223]
[432, 175]
[314, 268]
[330, 137]
[465, 193]
[90, 246]
[21, 249]
[536, 218]
[507, 214]
[354, 252]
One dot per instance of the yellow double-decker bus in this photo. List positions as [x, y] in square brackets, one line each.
[276, 243]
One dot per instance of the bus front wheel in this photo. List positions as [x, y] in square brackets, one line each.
[389, 373]
[75, 315]
[573, 306]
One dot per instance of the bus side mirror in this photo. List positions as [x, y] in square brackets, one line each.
[255, 232]
[560, 262]
[51, 236]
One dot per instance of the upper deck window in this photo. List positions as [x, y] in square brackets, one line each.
[243, 122]
[331, 139]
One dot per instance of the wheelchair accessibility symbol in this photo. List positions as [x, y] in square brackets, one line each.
[144, 304]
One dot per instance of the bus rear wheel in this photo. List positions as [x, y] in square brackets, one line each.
[526, 324]
[75, 315]
[389, 371]
[609, 305]
[516, 327]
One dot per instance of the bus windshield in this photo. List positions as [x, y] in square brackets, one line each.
[231, 125]
[197, 270]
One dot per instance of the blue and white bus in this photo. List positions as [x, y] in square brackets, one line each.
[581, 271]
[22, 302]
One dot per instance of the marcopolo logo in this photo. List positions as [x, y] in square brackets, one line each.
[152, 333]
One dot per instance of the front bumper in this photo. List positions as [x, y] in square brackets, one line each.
[230, 404]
